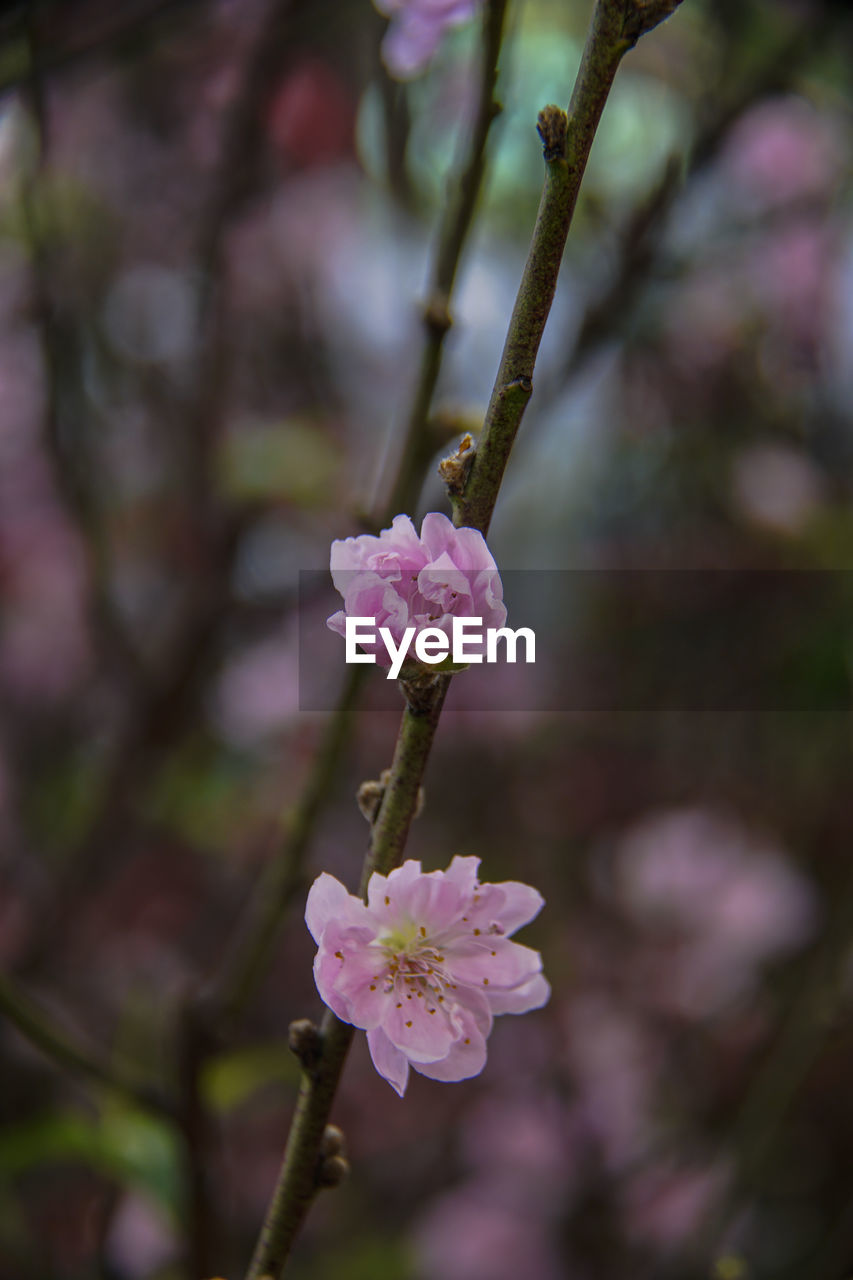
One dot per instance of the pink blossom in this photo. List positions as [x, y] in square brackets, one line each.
[402, 580]
[416, 29]
[426, 964]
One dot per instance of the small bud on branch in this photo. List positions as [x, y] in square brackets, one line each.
[305, 1042]
[553, 127]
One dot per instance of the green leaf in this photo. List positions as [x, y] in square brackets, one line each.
[232, 1078]
[129, 1146]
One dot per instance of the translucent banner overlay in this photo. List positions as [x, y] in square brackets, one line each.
[614, 640]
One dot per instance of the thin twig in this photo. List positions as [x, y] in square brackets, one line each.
[606, 43]
[297, 1182]
[257, 932]
[418, 446]
[193, 1120]
[615, 28]
[772, 1092]
[73, 1055]
[159, 701]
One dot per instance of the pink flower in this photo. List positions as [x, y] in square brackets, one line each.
[425, 965]
[416, 29]
[401, 580]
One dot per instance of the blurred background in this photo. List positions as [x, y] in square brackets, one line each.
[216, 219]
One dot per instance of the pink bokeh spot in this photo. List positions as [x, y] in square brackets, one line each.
[426, 964]
[416, 30]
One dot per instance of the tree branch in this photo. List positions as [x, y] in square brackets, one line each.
[75, 1056]
[565, 159]
[257, 932]
[298, 1180]
[567, 143]
[418, 446]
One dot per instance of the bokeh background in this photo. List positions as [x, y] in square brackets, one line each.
[215, 224]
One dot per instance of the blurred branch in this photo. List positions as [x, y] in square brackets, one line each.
[616, 26]
[418, 445]
[257, 931]
[771, 1094]
[638, 246]
[71, 465]
[774, 1089]
[606, 42]
[194, 1123]
[283, 878]
[158, 703]
[397, 121]
[72, 1054]
[242, 137]
[123, 21]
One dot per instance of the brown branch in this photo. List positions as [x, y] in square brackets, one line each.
[606, 42]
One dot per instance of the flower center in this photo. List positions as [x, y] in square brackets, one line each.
[415, 967]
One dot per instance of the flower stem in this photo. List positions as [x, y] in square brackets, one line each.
[297, 1183]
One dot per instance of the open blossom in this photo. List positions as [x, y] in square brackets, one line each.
[401, 580]
[416, 29]
[426, 964]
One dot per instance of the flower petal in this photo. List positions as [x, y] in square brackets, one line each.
[438, 534]
[388, 1060]
[466, 1056]
[329, 900]
[532, 994]
[521, 905]
[391, 887]
[463, 873]
[350, 973]
[419, 1026]
[494, 963]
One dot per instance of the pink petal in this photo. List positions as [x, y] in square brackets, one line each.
[391, 887]
[466, 1056]
[338, 622]
[488, 598]
[351, 971]
[422, 1036]
[388, 1061]
[471, 552]
[403, 535]
[329, 900]
[532, 994]
[463, 873]
[349, 555]
[326, 969]
[438, 535]
[521, 905]
[433, 901]
[492, 963]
